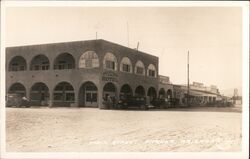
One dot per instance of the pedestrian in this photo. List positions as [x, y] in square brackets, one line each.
[109, 102]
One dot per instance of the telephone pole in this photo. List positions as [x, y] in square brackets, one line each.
[188, 79]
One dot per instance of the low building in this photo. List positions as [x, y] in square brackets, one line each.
[199, 94]
[165, 89]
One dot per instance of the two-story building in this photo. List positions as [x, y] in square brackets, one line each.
[80, 73]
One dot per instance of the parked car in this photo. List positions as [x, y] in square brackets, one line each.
[16, 100]
[133, 102]
[157, 102]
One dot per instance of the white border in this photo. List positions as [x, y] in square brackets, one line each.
[193, 155]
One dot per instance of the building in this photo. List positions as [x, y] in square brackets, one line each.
[80, 73]
[165, 89]
[199, 94]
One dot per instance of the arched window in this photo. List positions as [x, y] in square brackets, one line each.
[64, 61]
[151, 71]
[39, 62]
[89, 59]
[139, 68]
[110, 61]
[17, 63]
[126, 65]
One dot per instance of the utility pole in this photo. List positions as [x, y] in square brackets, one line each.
[188, 79]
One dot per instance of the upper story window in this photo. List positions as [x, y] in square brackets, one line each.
[110, 61]
[39, 62]
[64, 61]
[151, 70]
[139, 68]
[17, 63]
[126, 65]
[89, 59]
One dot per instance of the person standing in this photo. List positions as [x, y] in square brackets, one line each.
[109, 102]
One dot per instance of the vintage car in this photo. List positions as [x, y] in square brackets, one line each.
[133, 102]
[16, 100]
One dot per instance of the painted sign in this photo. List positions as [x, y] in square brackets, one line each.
[109, 76]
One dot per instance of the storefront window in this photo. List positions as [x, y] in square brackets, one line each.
[64, 92]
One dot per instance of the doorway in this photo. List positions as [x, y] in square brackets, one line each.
[88, 95]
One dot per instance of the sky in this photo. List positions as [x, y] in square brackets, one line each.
[212, 35]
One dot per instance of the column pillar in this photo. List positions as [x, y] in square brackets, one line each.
[100, 96]
[51, 97]
[76, 104]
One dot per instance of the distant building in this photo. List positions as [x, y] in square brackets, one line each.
[199, 94]
[165, 88]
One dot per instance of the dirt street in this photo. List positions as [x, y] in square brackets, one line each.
[90, 129]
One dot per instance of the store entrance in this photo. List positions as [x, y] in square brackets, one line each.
[88, 95]
[91, 98]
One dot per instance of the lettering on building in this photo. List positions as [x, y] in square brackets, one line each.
[109, 76]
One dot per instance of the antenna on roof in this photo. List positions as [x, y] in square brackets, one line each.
[128, 33]
[137, 46]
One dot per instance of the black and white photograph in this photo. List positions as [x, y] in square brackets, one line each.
[129, 78]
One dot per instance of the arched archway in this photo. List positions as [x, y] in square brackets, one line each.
[18, 63]
[169, 94]
[162, 93]
[39, 94]
[40, 62]
[126, 91]
[64, 61]
[151, 93]
[140, 91]
[109, 89]
[63, 94]
[17, 88]
[88, 95]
